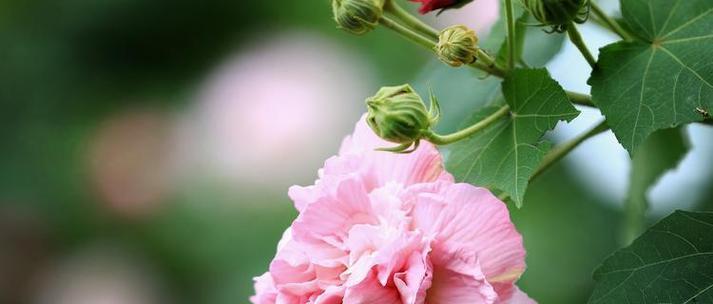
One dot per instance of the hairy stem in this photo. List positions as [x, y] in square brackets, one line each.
[562, 150]
[511, 33]
[577, 40]
[408, 33]
[459, 135]
[610, 23]
[410, 20]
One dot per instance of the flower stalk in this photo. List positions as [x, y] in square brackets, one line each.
[509, 10]
[467, 132]
[408, 33]
[409, 20]
[577, 40]
[609, 22]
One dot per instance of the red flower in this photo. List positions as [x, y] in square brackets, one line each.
[432, 5]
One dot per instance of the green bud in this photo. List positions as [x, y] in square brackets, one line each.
[457, 45]
[558, 13]
[357, 16]
[398, 114]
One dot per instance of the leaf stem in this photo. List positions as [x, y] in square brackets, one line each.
[577, 40]
[562, 150]
[610, 23]
[408, 33]
[511, 33]
[410, 20]
[459, 135]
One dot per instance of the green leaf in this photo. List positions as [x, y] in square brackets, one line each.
[671, 263]
[504, 156]
[661, 152]
[663, 79]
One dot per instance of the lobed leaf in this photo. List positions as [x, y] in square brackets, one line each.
[665, 77]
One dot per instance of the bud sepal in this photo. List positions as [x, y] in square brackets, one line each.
[398, 114]
[457, 45]
[357, 16]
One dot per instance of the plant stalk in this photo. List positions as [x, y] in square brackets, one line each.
[562, 150]
[459, 135]
[511, 33]
[408, 33]
[410, 20]
[610, 23]
[577, 40]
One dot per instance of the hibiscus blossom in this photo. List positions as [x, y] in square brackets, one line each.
[378, 227]
[432, 5]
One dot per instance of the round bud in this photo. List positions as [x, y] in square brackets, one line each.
[357, 16]
[457, 45]
[397, 114]
[558, 13]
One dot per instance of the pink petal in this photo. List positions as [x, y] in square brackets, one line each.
[458, 280]
[413, 283]
[461, 217]
[372, 292]
[423, 165]
[328, 220]
[520, 297]
[265, 292]
[332, 295]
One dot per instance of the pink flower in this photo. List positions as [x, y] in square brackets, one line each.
[378, 227]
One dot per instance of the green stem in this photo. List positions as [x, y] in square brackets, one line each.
[511, 33]
[485, 58]
[429, 44]
[577, 40]
[409, 20]
[610, 22]
[459, 135]
[408, 33]
[490, 69]
[580, 99]
[562, 150]
[635, 218]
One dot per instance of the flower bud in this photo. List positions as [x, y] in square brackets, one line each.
[357, 16]
[457, 45]
[398, 114]
[558, 13]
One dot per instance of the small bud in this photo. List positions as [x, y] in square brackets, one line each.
[558, 13]
[457, 45]
[357, 16]
[398, 114]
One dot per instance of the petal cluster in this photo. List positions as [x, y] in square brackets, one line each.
[378, 227]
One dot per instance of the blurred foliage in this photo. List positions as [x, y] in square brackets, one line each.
[67, 65]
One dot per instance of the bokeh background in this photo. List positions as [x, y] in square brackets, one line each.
[147, 146]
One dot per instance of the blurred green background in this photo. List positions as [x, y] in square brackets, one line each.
[111, 113]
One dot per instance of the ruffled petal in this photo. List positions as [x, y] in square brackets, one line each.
[371, 291]
[519, 297]
[461, 217]
[458, 279]
[328, 221]
[265, 292]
